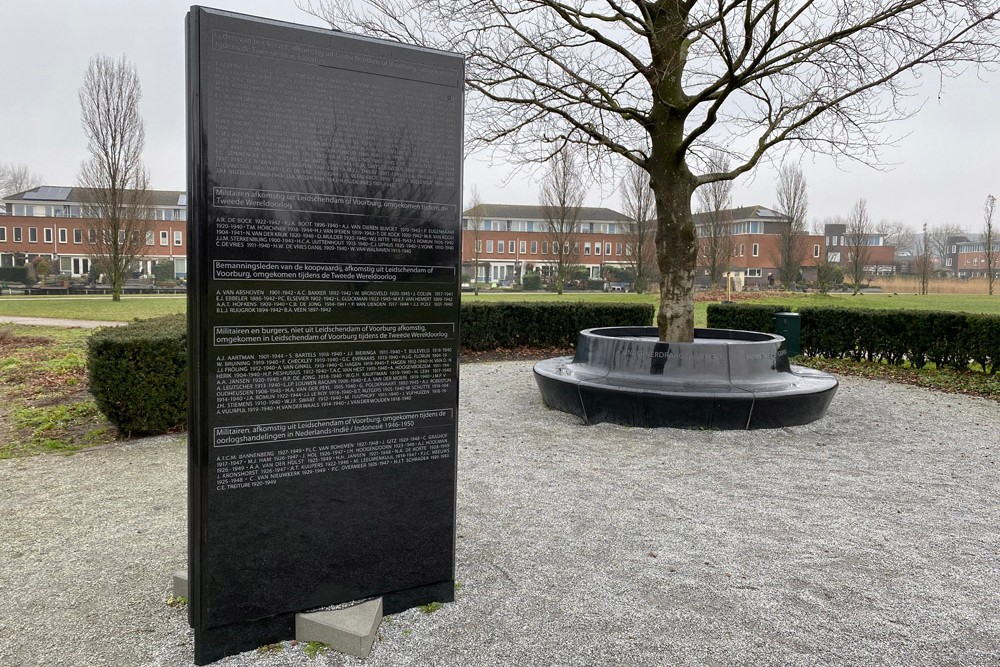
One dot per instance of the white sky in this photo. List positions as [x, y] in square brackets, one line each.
[944, 169]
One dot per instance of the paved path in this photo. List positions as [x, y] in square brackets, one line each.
[57, 322]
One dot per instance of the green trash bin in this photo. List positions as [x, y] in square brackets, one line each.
[789, 326]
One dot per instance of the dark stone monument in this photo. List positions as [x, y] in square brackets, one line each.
[725, 379]
[324, 221]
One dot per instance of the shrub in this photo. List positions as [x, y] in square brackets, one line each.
[14, 274]
[743, 317]
[138, 374]
[532, 281]
[489, 326]
[896, 337]
[163, 270]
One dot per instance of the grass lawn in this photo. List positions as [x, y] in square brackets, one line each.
[960, 303]
[44, 402]
[102, 308]
[142, 306]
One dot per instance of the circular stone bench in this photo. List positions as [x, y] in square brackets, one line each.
[725, 379]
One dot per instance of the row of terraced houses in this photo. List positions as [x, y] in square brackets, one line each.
[48, 222]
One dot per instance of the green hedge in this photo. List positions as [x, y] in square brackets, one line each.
[490, 326]
[14, 274]
[743, 316]
[952, 340]
[138, 374]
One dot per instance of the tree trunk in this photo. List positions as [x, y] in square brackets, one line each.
[676, 254]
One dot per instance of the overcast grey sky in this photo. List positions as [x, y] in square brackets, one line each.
[944, 167]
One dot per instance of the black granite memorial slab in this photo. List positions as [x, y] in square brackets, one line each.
[324, 226]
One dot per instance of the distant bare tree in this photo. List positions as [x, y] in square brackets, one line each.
[793, 203]
[113, 177]
[561, 197]
[859, 228]
[475, 214]
[640, 231]
[897, 234]
[16, 178]
[939, 238]
[925, 260]
[715, 201]
[990, 240]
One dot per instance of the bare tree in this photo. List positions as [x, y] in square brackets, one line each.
[715, 201]
[640, 228]
[900, 236]
[16, 178]
[859, 229]
[991, 247]
[561, 197]
[793, 203]
[113, 177]
[940, 238]
[662, 82]
[475, 214]
[924, 261]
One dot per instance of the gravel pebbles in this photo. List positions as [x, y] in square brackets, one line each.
[871, 537]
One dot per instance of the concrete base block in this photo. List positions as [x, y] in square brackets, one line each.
[180, 586]
[350, 630]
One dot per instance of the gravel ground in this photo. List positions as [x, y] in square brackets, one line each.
[871, 537]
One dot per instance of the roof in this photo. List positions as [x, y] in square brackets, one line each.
[525, 212]
[54, 194]
[756, 212]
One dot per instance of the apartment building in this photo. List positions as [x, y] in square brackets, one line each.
[50, 222]
[514, 239]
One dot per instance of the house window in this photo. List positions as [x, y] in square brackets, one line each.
[17, 235]
[63, 235]
[566, 247]
[534, 247]
[501, 247]
[607, 249]
[32, 234]
[177, 237]
[150, 238]
[954, 249]
[816, 250]
[489, 246]
[586, 248]
[523, 247]
[618, 249]
[597, 248]
[947, 262]
[753, 273]
[576, 248]
[479, 246]
[47, 234]
[3, 234]
[545, 247]
[755, 249]
[92, 236]
[742, 248]
[164, 238]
